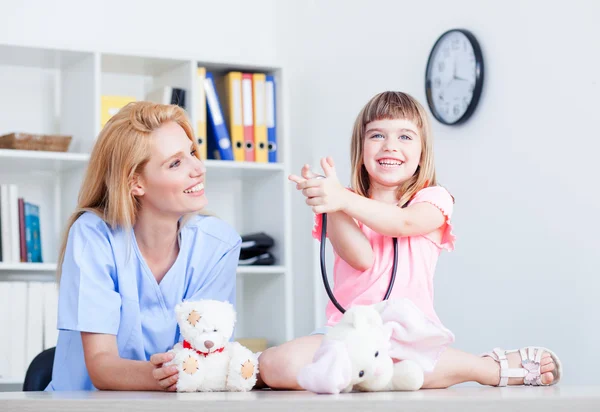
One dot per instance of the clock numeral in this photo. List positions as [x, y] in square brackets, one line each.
[441, 66]
[437, 82]
[456, 110]
[441, 96]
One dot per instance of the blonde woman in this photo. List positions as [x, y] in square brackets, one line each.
[134, 248]
[395, 194]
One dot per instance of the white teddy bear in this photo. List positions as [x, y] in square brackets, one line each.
[206, 360]
[354, 356]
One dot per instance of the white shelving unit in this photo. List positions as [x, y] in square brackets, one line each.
[59, 91]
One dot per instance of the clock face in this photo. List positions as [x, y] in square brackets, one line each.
[454, 77]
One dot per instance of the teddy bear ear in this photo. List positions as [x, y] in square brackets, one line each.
[362, 317]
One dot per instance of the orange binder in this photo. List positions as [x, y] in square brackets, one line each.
[233, 113]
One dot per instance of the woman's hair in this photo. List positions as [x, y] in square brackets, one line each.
[119, 155]
[393, 105]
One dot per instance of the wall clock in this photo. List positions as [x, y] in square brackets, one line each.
[454, 76]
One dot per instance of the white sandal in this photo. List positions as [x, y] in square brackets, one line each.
[531, 357]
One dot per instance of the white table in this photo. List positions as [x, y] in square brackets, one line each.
[463, 399]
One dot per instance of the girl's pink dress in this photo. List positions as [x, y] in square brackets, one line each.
[417, 259]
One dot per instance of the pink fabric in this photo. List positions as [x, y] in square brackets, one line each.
[413, 335]
[417, 259]
[330, 371]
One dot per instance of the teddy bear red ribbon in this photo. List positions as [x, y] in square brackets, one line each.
[187, 345]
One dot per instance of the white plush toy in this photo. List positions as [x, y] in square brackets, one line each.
[206, 360]
[354, 355]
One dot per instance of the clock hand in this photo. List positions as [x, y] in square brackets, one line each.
[454, 76]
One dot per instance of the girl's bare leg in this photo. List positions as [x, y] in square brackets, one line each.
[278, 366]
[455, 366]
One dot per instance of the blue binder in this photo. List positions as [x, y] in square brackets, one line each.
[271, 120]
[219, 142]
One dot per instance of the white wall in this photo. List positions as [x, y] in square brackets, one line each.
[234, 30]
[526, 268]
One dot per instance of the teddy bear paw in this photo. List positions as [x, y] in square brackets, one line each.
[247, 369]
[243, 369]
[190, 374]
[190, 365]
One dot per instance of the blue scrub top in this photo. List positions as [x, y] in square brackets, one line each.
[107, 287]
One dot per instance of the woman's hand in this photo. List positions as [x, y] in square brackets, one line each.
[166, 376]
[324, 195]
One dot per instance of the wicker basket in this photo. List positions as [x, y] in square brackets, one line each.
[28, 141]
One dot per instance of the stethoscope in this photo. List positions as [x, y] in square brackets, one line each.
[324, 272]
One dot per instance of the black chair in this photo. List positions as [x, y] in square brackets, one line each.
[39, 373]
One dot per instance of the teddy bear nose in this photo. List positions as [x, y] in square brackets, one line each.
[208, 344]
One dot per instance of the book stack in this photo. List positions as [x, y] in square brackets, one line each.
[19, 227]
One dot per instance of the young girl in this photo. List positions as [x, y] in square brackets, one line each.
[392, 166]
[134, 248]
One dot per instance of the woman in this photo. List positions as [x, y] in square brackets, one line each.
[133, 249]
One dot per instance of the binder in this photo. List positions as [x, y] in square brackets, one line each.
[248, 115]
[201, 112]
[271, 122]
[218, 141]
[260, 127]
[233, 113]
[110, 105]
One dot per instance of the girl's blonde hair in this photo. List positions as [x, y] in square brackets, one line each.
[119, 155]
[393, 105]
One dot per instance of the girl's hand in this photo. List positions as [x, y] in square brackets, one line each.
[166, 376]
[324, 195]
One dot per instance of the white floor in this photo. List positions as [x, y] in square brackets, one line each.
[556, 398]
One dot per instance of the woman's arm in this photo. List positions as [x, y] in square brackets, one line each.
[108, 371]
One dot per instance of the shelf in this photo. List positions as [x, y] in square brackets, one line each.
[255, 270]
[47, 270]
[34, 272]
[27, 267]
[228, 169]
[39, 58]
[138, 65]
[11, 381]
[37, 160]
[64, 88]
